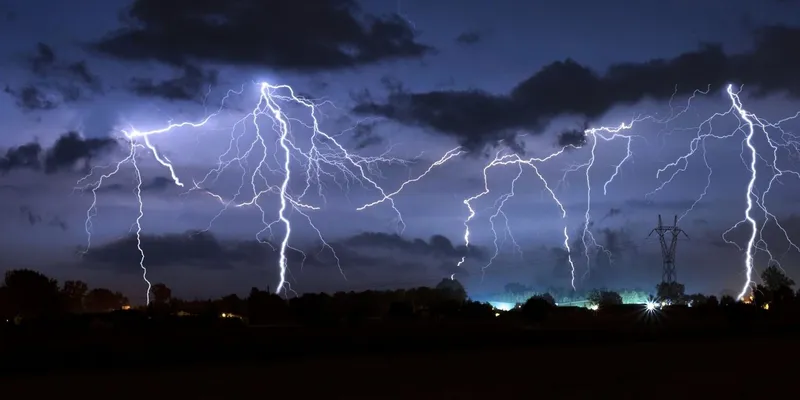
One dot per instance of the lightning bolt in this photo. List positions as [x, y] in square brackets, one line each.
[749, 125]
[595, 136]
[502, 159]
[324, 158]
[587, 238]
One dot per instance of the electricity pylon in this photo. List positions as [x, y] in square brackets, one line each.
[668, 275]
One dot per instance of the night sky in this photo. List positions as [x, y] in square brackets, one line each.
[408, 80]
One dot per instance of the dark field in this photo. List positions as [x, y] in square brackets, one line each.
[442, 362]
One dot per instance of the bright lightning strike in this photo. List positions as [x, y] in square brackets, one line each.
[749, 124]
[324, 158]
[587, 238]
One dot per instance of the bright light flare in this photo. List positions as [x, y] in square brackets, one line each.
[502, 305]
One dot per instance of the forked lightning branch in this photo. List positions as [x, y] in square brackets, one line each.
[324, 157]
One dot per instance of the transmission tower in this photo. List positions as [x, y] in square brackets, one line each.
[668, 250]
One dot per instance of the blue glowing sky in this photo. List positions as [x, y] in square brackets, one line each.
[472, 45]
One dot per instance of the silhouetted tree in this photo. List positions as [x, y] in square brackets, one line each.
[264, 307]
[548, 298]
[452, 289]
[537, 308]
[401, 310]
[672, 292]
[446, 307]
[74, 292]
[103, 300]
[774, 279]
[313, 309]
[161, 293]
[604, 298]
[727, 300]
[761, 296]
[122, 300]
[782, 295]
[6, 311]
[232, 304]
[32, 294]
[712, 302]
[776, 288]
[477, 310]
[697, 299]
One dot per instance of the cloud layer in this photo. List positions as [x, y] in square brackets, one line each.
[366, 253]
[304, 36]
[68, 151]
[55, 82]
[477, 119]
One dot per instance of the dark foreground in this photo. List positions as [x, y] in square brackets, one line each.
[441, 363]
[732, 369]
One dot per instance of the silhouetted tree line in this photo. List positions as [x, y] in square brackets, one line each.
[447, 299]
[776, 290]
[26, 294]
[519, 293]
[29, 294]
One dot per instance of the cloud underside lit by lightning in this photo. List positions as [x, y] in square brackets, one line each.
[749, 126]
[322, 158]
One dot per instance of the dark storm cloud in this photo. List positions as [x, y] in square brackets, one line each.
[158, 184]
[572, 138]
[438, 245]
[155, 185]
[186, 249]
[68, 151]
[33, 218]
[32, 98]
[56, 82]
[474, 117]
[283, 34]
[345, 257]
[43, 63]
[29, 215]
[203, 249]
[365, 135]
[469, 38]
[617, 241]
[190, 85]
[669, 205]
[613, 212]
[603, 271]
[478, 119]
